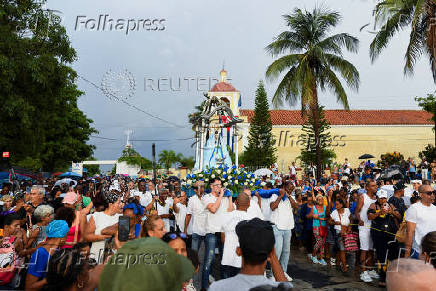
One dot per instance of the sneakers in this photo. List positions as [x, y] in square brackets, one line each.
[322, 262]
[373, 274]
[365, 277]
[314, 260]
[288, 277]
[332, 261]
[309, 256]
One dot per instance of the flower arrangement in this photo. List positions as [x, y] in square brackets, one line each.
[234, 178]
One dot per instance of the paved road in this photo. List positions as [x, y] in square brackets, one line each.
[308, 276]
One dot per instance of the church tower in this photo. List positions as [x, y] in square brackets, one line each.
[225, 91]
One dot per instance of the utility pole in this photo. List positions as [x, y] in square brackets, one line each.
[153, 152]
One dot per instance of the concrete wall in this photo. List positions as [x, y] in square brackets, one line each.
[351, 141]
[124, 168]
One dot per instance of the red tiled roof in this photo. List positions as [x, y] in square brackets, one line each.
[223, 87]
[352, 117]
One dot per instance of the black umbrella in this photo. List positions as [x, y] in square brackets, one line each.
[366, 156]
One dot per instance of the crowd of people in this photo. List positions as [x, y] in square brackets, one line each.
[119, 233]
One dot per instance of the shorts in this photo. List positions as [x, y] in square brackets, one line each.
[365, 239]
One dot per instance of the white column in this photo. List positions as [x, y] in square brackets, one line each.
[202, 136]
[197, 144]
[235, 132]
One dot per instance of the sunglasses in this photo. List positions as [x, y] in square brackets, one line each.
[429, 193]
[175, 235]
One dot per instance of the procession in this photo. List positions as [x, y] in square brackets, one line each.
[143, 151]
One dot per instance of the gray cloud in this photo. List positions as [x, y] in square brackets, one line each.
[198, 36]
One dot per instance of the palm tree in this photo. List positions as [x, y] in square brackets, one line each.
[187, 162]
[314, 58]
[167, 158]
[419, 15]
[194, 117]
[395, 15]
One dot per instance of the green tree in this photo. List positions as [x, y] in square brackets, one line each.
[260, 150]
[40, 121]
[418, 16]
[308, 153]
[168, 158]
[187, 162]
[132, 157]
[429, 153]
[428, 104]
[314, 59]
[92, 169]
[194, 118]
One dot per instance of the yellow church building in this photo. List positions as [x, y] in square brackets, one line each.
[353, 133]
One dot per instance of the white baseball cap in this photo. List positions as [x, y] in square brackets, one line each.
[382, 194]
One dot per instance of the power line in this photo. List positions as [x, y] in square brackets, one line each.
[105, 138]
[130, 105]
[176, 139]
[146, 140]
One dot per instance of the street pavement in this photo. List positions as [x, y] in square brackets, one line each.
[308, 276]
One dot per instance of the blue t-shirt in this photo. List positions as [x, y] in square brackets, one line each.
[137, 230]
[353, 207]
[38, 263]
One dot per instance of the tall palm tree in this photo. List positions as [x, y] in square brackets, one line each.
[395, 15]
[311, 62]
[167, 158]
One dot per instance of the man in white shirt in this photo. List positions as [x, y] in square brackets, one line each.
[346, 163]
[180, 211]
[144, 197]
[163, 205]
[255, 209]
[256, 246]
[230, 263]
[217, 207]
[420, 219]
[196, 216]
[264, 202]
[366, 243]
[293, 170]
[283, 219]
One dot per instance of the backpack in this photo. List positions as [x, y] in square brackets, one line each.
[8, 258]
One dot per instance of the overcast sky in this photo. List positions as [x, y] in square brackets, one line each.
[193, 39]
